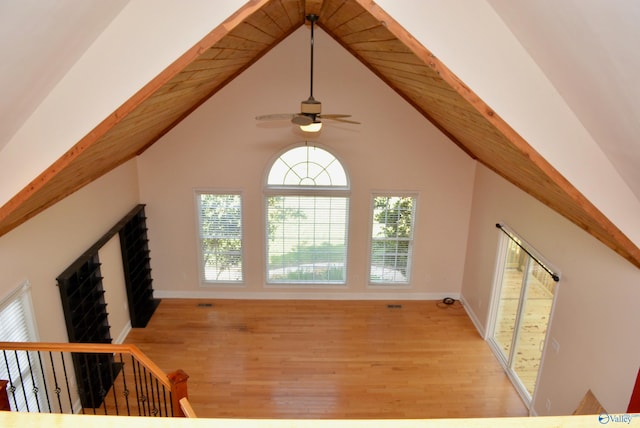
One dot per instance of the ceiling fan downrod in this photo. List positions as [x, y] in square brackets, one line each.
[310, 109]
[312, 18]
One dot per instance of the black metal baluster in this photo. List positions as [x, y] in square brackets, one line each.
[152, 399]
[34, 387]
[44, 381]
[155, 408]
[155, 396]
[12, 388]
[57, 389]
[125, 392]
[158, 402]
[112, 379]
[159, 394]
[146, 390]
[164, 397]
[24, 392]
[136, 374]
[66, 381]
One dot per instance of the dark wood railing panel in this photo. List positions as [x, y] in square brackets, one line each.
[4, 398]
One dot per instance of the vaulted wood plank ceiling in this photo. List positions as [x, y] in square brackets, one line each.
[373, 37]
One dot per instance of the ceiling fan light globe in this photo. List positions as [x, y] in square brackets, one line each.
[312, 127]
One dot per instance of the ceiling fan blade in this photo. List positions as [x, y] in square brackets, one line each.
[302, 120]
[337, 119]
[277, 116]
[333, 116]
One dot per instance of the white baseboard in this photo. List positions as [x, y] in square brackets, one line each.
[474, 318]
[293, 295]
[123, 334]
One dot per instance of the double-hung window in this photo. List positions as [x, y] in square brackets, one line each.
[220, 233]
[307, 212]
[391, 239]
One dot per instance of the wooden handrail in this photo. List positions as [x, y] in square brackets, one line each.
[98, 348]
[186, 408]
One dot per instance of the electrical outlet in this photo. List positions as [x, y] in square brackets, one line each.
[547, 405]
[555, 345]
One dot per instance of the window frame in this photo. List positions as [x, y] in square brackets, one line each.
[339, 191]
[204, 282]
[382, 284]
[17, 398]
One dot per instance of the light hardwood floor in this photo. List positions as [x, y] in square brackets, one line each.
[328, 359]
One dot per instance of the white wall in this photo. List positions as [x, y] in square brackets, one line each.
[42, 248]
[222, 146]
[144, 39]
[115, 288]
[473, 42]
[595, 319]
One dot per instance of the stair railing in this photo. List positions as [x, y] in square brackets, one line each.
[87, 378]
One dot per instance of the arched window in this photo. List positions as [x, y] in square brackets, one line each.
[307, 167]
[307, 205]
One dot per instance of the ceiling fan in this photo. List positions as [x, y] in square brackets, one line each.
[311, 109]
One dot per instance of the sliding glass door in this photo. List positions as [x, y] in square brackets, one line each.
[522, 306]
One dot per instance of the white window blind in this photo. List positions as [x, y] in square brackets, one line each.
[391, 239]
[15, 315]
[307, 209]
[17, 325]
[220, 231]
[308, 239]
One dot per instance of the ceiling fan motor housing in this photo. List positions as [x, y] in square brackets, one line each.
[310, 106]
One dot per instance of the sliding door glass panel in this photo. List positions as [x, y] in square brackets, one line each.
[509, 300]
[523, 307]
[532, 327]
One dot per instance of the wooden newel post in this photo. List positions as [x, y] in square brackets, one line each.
[178, 381]
[4, 397]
